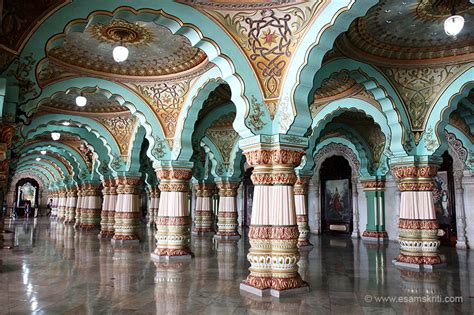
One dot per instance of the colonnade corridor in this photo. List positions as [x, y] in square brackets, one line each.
[55, 268]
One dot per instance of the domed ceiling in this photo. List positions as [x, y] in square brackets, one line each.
[400, 31]
[153, 51]
[96, 104]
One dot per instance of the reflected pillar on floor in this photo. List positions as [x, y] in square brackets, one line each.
[79, 205]
[203, 210]
[375, 196]
[91, 206]
[109, 193]
[418, 225]
[127, 209]
[301, 191]
[72, 204]
[173, 223]
[227, 216]
[273, 233]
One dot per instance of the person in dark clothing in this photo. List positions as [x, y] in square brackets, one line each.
[49, 206]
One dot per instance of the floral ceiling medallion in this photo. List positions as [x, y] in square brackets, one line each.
[121, 31]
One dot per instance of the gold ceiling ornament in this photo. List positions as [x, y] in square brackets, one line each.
[120, 31]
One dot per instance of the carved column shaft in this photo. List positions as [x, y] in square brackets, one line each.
[80, 190]
[273, 233]
[173, 223]
[301, 191]
[203, 216]
[91, 206]
[109, 193]
[418, 225]
[227, 216]
[71, 206]
[355, 208]
[375, 196]
[461, 241]
[127, 209]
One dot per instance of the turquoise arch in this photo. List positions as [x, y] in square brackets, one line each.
[136, 142]
[98, 144]
[307, 59]
[373, 81]
[234, 170]
[111, 90]
[37, 172]
[60, 148]
[444, 106]
[62, 167]
[35, 152]
[466, 143]
[221, 51]
[55, 176]
[197, 95]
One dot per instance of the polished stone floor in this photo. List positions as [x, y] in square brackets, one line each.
[54, 269]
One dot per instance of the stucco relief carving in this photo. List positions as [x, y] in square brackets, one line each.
[121, 127]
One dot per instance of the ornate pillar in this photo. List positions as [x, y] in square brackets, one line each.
[273, 233]
[127, 210]
[79, 205]
[227, 216]
[109, 193]
[203, 209]
[314, 203]
[71, 207]
[301, 191]
[54, 207]
[66, 204]
[154, 205]
[91, 206]
[375, 197]
[460, 212]
[418, 225]
[173, 223]
[355, 208]
[61, 203]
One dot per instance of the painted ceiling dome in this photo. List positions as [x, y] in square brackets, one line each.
[400, 31]
[154, 52]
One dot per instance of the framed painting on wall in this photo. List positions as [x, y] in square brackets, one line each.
[337, 202]
[441, 198]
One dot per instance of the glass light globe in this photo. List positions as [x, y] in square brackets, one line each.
[81, 101]
[55, 136]
[43, 152]
[66, 123]
[453, 25]
[38, 159]
[120, 53]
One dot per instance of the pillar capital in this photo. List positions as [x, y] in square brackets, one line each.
[228, 189]
[301, 185]
[377, 184]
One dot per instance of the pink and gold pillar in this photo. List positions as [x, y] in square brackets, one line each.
[91, 206]
[154, 205]
[203, 216]
[174, 222]
[418, 226]
[273, 233]
[227, 216]
[61, 203]
[109, 193]
[127, 210]
[71, 205]
[79, 203]
[301, 191]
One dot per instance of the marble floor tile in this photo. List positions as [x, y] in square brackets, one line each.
[56, 269]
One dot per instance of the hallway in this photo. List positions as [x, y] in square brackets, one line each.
[55, 269]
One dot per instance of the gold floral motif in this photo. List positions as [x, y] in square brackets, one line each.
[121, 31]
[121, 127]
[274, 157]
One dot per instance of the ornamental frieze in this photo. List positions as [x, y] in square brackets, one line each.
[174, 174]
[268, 37]
[274, 157]
[415, 171]
[121, 128]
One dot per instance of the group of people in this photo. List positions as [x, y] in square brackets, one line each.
[27, 206]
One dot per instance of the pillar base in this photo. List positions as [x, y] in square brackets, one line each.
[375, 236]
[202, 233]
[306, 247]
[123, 242]
[272, 292]
[461, 245]
[156, 257]
[227, 237]
[105, 235]
[355, 235]
[420, 267]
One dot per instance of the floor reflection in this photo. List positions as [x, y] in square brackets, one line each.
[55, 268]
